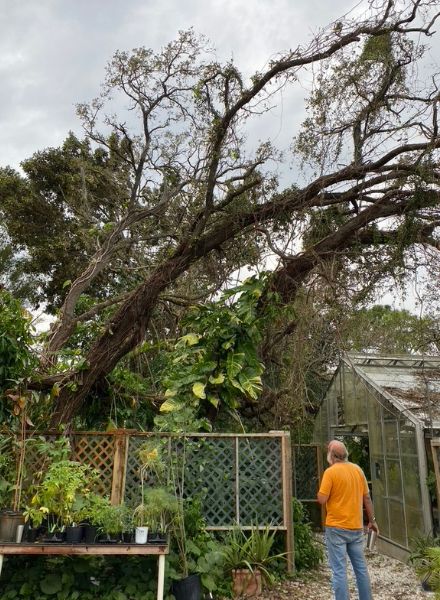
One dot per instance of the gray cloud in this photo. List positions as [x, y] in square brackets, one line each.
[53, 52]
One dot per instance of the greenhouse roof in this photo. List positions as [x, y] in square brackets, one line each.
[411, 383]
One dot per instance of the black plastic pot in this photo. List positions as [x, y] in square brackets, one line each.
[189, 588]
[127, 537]
[56, 537]
[426, 586]
[90, 533]
[74, 534]
[157, 537]
[30, 534]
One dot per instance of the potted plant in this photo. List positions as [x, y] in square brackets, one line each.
[112, 522]
[189, 535]
[58, 494]
[11, 481]
[247, 557]
[428, 569]
[425, 558]
[89, 516]
[151, 467]
[140, 526]
[160, 509]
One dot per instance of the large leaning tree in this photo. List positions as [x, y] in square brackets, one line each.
[186, 192]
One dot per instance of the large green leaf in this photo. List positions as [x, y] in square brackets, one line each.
[208, 582]
[171, 405]
[190, 339]
[217, 379]
[51, 584]
[235, 362]
[237, 385]
[214, 400]
[250, 382]
[199, 390]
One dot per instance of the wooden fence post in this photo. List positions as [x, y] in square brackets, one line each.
[120, 456]
[286, 457]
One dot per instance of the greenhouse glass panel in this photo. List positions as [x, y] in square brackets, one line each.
[361, 401]
[340, 391]
[415, 522]
[411, 481]
[397, 522]
[349, 410]
[390, 435]
[408, 441]
[378, 494]
[394, 479]
[374, 426]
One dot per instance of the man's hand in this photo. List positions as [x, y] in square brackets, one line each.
[373, 525]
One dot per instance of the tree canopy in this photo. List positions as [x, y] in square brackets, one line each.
[161, 204]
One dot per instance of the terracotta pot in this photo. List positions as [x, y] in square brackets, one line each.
[246, 583]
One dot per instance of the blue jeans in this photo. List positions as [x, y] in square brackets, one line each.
[341, 542]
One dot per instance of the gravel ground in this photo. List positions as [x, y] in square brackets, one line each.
[390, 580]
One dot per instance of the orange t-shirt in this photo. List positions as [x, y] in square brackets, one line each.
[345, 485]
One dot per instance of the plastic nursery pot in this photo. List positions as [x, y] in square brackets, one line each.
[157, 537]
[189, 588]
[127, 537]
[141, 535]
[74, 534]
[30, 533]
[90, 533]
[55, 537]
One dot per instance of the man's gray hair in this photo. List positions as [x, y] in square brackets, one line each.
[339, 451]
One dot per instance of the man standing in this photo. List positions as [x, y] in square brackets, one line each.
[344, 491]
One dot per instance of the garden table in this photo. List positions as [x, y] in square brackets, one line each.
[88, 549]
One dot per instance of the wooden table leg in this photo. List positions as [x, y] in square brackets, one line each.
[160, 576]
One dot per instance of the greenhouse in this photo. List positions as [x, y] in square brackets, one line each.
[387, 411]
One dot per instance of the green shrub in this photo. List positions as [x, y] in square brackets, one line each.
[308, 552]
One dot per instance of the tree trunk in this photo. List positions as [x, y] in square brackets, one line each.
[127, 328]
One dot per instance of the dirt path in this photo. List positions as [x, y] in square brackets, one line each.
[390, 580]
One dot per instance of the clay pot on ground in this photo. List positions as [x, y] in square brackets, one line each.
[246, 583]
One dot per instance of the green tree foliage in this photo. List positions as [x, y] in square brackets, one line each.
[383, 330]
[175, 195]
[216, 361]
[56, 214]
[16, 356]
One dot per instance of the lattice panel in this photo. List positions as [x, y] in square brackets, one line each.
[97, 452]
[305, 472]
[230, 474]
[260, 481]
[210, 474]
[34, 462]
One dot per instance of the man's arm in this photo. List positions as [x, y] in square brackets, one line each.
[370, 513]
[322, 498]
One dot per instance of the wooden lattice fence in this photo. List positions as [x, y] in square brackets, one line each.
[243, 479]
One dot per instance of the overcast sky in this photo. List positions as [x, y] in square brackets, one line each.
[53, 52]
